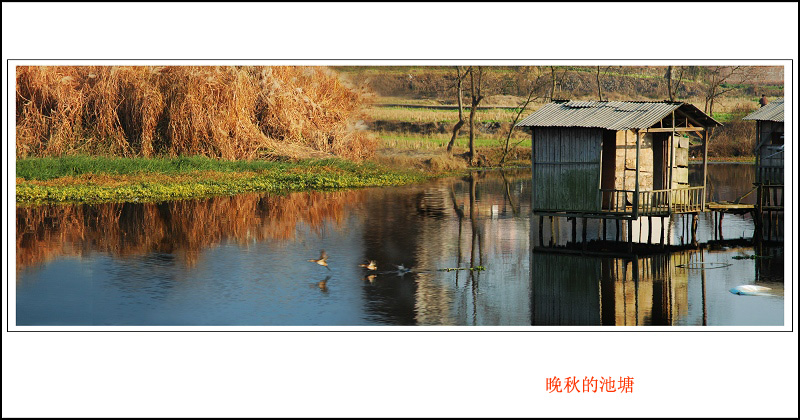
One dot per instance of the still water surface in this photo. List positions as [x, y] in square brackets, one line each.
[243, 260]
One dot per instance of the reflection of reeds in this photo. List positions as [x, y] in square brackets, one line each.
[180, 227]
[225, 112]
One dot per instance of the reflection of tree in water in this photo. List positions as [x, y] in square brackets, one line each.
[176, 227]
[444, 222]
[392, 232]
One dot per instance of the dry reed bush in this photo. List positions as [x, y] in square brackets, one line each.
[179, 227]
[445, 163]
[736, 137]
[222, 112]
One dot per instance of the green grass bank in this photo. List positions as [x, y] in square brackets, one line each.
[87, 179]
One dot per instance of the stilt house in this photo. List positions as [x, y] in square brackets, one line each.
[616, 159]
[769, 143]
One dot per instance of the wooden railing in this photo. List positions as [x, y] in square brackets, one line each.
[770, 197]
[654, 203]
[616, 201]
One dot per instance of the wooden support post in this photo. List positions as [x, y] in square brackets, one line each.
[777, 227]
[636, 185]
[703, 292]
[574, 230]
[719, 226]
[649, 230]
[714, 223]
[758, 234]
[758, 153]
[630, 235]
[541, 230]
[694, 229]
[533, 172]
[663, 229]
[603, 221]
[616, 238]
[769, 229]
[552, 231]
[671, 163]
[774, 196]
[705, 166]
[583, 231]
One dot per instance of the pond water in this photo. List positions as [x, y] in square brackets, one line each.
[243, 260]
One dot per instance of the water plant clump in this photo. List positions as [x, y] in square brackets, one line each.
[476, 268]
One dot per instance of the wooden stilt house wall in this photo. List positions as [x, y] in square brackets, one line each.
[618, 158]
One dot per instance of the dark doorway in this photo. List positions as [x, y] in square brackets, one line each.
[661, 161]
[609, 169]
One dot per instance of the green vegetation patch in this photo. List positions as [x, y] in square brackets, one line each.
[57, 167]
[326, 174]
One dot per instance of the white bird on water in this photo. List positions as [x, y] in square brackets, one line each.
[750, 290]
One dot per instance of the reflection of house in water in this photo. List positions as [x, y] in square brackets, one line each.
[583, 290]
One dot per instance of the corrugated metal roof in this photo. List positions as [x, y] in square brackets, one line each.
[613, 115]
[768, 112]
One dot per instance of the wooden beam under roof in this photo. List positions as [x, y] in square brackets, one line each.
[676, 129]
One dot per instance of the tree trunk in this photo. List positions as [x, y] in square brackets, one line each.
[669, 83]
[475, 92]
[599, 88]
[472, 131]
[460, 122]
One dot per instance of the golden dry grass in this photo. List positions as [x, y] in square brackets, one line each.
[222, 112]
[437, 115]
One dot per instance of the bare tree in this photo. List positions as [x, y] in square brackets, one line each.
[715, 84]
[461, 74]
[533, 85]
[599, 85]
[719, 80]
[552, 82]
[476, 96]
[556, 78]
[672, 88]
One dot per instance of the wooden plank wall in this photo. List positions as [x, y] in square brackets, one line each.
[567, 168]
[770, 170]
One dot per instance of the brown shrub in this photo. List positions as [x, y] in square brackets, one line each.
[224, 112]
[736, 137]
